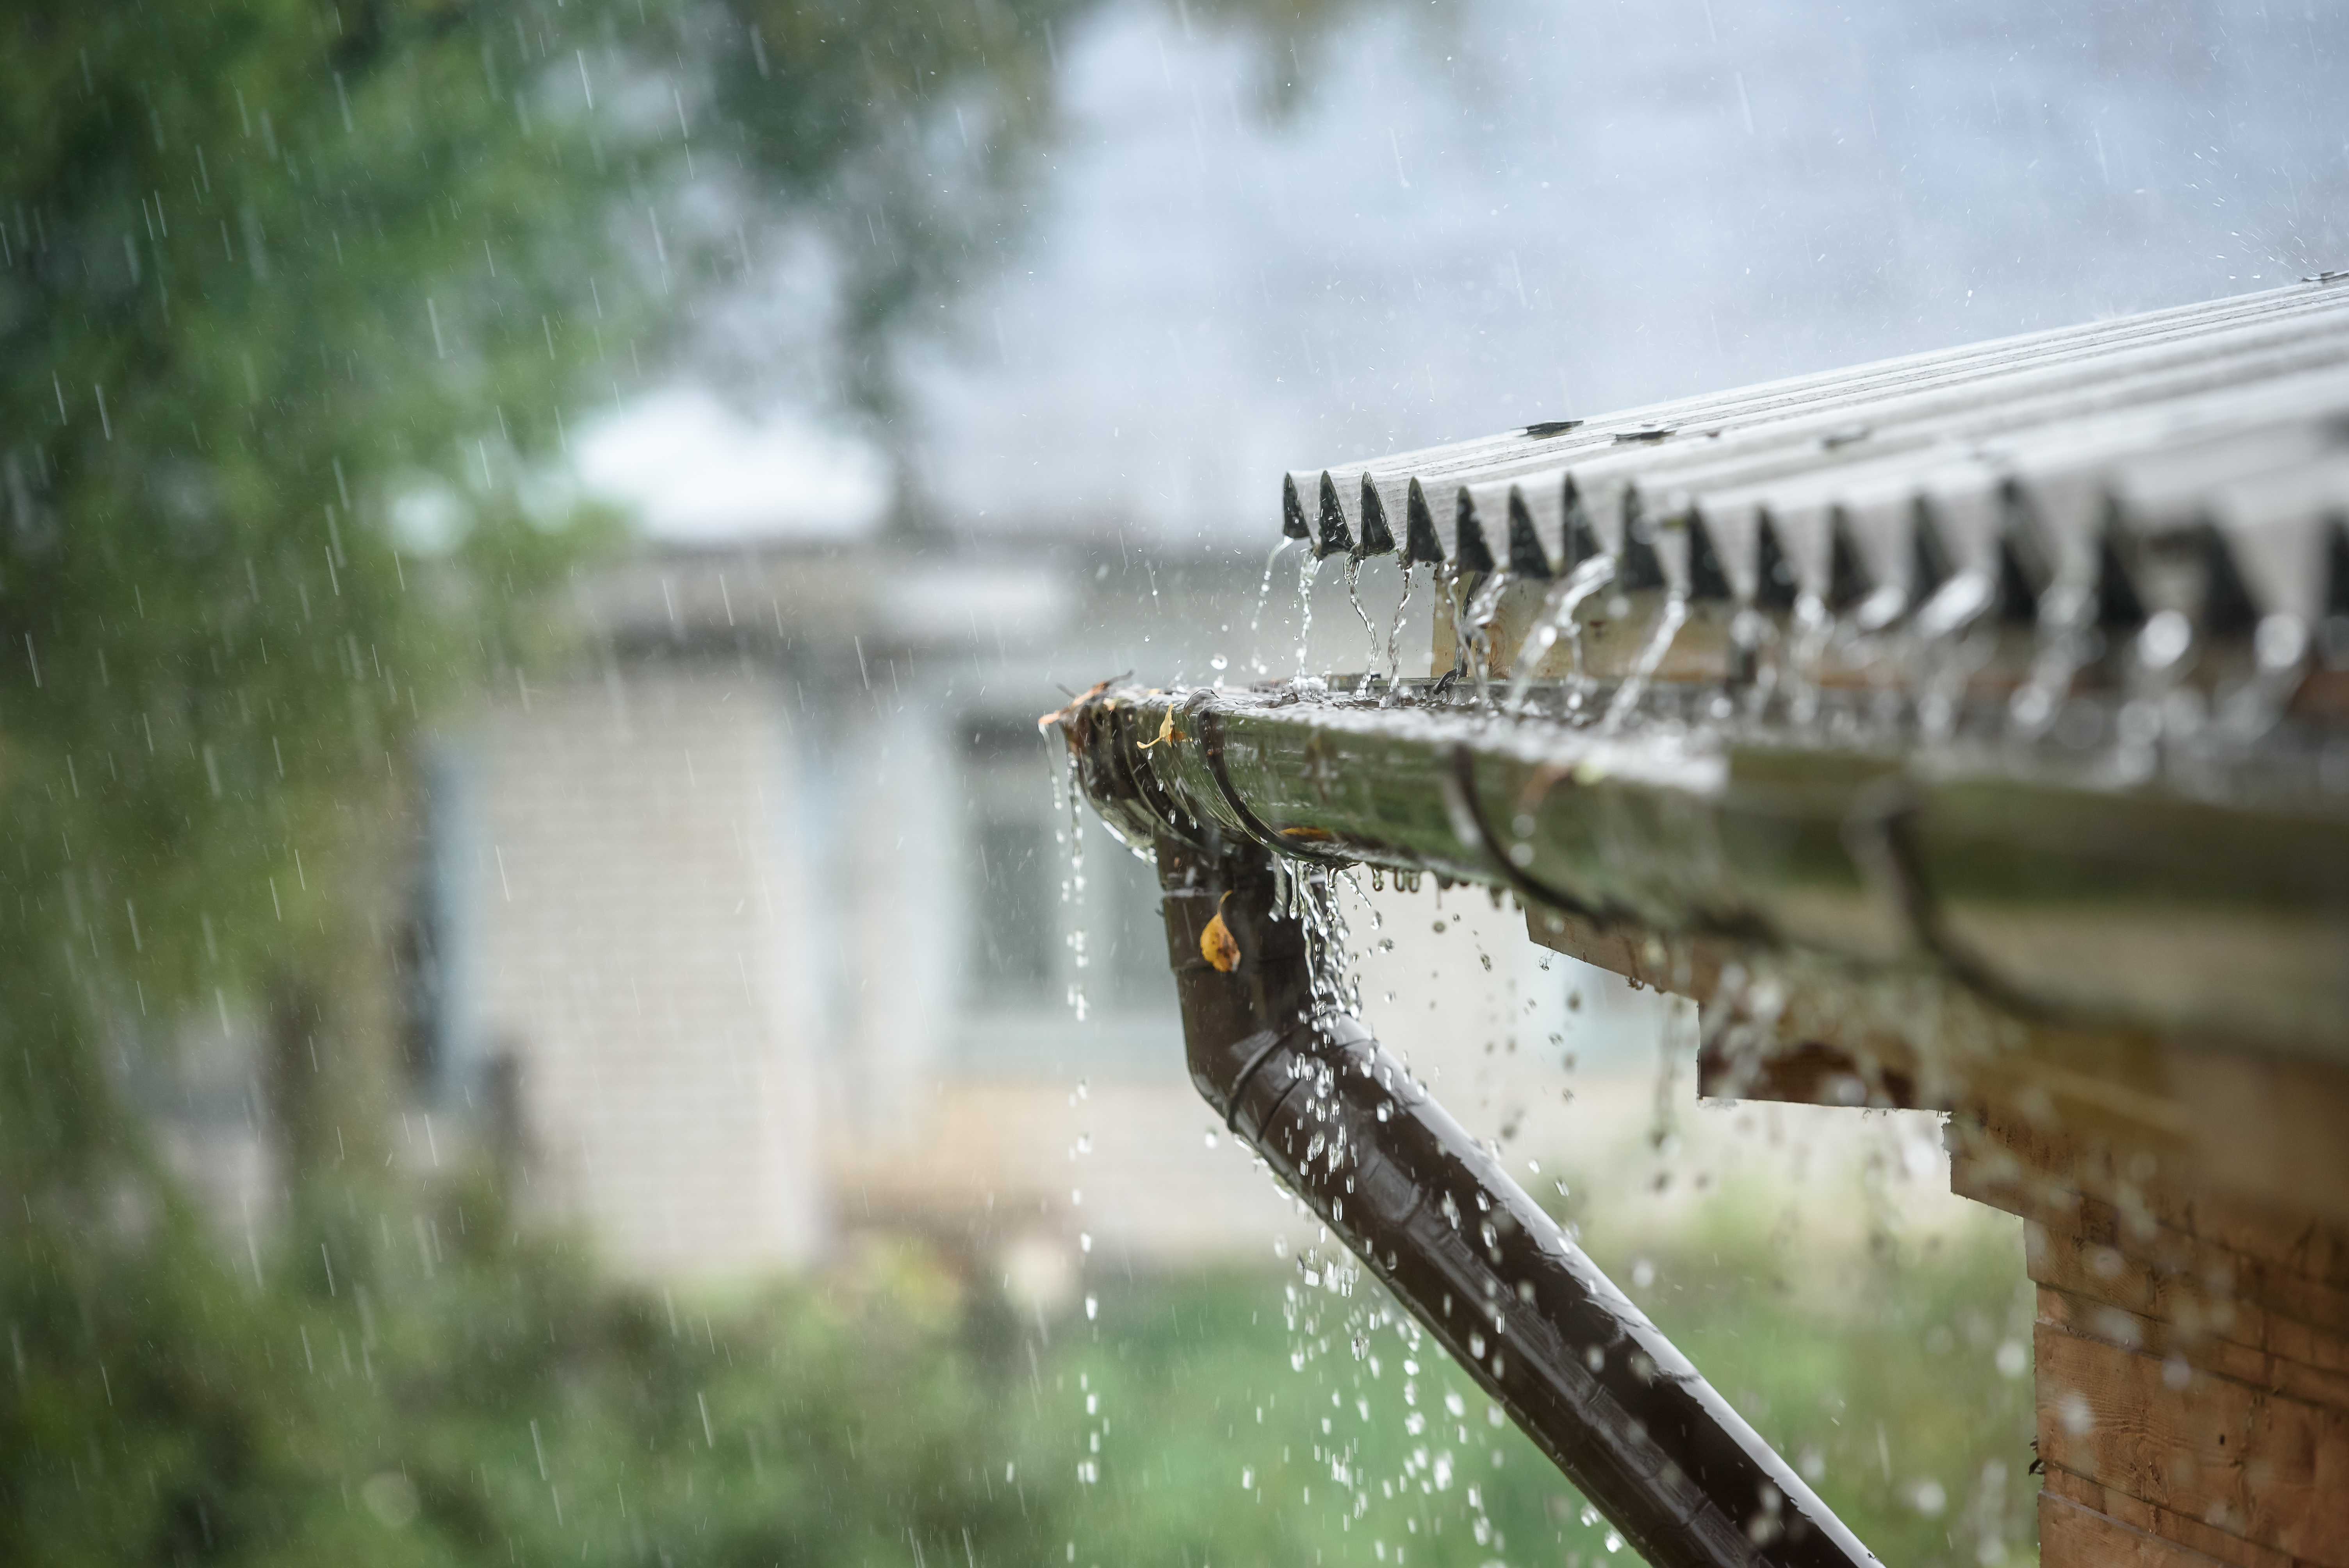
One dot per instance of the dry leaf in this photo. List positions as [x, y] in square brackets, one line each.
[1219, 946]
[1061, 714]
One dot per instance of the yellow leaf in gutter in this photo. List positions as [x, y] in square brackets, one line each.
[1165, 732]
[1219, 947]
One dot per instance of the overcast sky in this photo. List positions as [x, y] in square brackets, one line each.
[1485, 213]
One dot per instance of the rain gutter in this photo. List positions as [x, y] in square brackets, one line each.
[1602, 1391]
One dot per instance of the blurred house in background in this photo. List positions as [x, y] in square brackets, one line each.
[755, 926]
[767, 918]
[762, 914]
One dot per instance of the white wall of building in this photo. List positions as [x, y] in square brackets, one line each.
[636, 938]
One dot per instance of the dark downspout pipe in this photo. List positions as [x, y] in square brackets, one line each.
[1581, 1369]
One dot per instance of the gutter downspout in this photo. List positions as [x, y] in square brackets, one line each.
[1434, 1217]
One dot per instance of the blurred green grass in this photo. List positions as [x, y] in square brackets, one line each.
[1907, 1402]
[503, 1406]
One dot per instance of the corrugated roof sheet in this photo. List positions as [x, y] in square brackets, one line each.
[2194, 459]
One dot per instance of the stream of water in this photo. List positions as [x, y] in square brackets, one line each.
[1565, 597]
[1394, 637]
[1483, 606]
[1669, 622]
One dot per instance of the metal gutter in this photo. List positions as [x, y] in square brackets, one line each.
[2040, 888]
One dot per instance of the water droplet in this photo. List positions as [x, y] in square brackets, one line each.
[1092, 1307]
[1212, 1139]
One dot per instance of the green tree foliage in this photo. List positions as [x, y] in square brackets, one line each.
[482, 1401]
[293, 299]
[267, 267]
[270, 265]
[903, 136]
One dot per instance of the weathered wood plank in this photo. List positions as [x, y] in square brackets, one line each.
[2071, 1536]
[2037, 1169]
[2209, 1286]
[2199, 1291]
[2136, 1513]
[2242, 1362]
[2272, 1471]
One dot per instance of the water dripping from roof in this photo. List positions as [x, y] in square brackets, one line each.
[1559, 606]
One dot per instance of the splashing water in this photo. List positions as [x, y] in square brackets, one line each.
[1557, 619]
[1449, 582]
[1360, 1365]
[1395, 636]
[1354, 597]
[1305, 574]
[1263, 597]
[1351, 877]
[1335, 983]
[1263, 589]
[2147, 723]
[1808, 637]
[1089, 1462]
[1072, 886]
[2066, 615]
[1669, 622]
[1483, 606]
[1952, 642]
